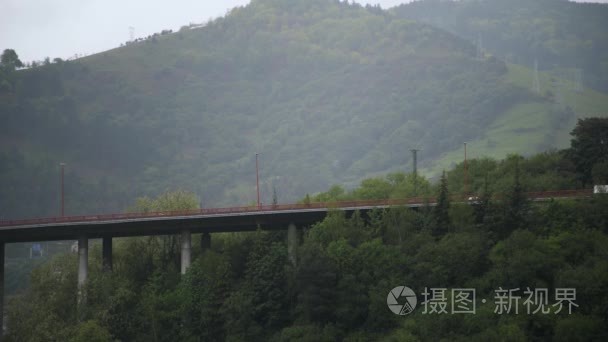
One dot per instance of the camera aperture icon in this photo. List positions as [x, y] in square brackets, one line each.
[401, 300]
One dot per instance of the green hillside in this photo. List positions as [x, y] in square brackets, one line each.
[567, 41]
[533, 126]
[558, 34]
[326, 92]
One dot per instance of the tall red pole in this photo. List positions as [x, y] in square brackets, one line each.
[62, 192]
[466, 180]
[257, 178]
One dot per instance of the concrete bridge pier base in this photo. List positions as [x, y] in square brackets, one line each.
[83, 266]
[205, 241]
[106, 253]
[186, 250]
[292, 243]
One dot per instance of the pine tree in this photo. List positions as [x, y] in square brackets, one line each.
[442, 218]
[307, 200]
[482, 204]
[515, 205]
[589, 146]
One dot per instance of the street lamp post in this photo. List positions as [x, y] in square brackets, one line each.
[466, 180]
[62, 191]
[257, 178]
[415, 170]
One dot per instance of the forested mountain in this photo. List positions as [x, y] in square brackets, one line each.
[327, 92]
[559, 34]
[550, 256]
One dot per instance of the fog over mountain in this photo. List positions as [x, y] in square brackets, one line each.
[63, 28]
[190, 110]
[452, 147]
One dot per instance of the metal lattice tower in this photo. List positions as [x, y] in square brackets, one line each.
[558, 85]
[578, 81]
[479, 47]
[536, 82]
[131, 33]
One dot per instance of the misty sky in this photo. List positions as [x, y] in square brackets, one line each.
[62, 28]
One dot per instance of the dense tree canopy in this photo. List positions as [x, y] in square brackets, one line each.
[245, 287]
[589, 150]
[9, 60]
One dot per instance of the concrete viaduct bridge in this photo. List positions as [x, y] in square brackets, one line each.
[185, 223]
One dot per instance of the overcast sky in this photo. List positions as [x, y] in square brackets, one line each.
[62, 28]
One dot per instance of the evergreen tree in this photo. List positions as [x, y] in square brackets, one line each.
[515, 205]
[482, 204]
[442, 218]
[589, 146]
[307, 200]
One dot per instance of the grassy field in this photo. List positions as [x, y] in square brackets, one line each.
[530, 128]
[586, 103]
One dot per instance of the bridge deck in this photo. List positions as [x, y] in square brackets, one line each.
[208, 219]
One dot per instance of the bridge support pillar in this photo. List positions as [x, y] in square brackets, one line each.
[186, 250]
[205, 241]
[106, 253]
[83, 266]
[1, 289]
[292, 243]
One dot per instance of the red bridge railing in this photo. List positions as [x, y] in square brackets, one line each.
[541, 195]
